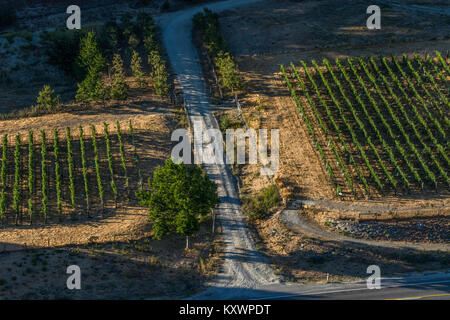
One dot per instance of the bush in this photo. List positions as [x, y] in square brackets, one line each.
[47, 98]
[257, 207]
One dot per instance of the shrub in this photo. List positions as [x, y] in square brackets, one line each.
[47, 98]
[133, 41]
[229, 71]
[136, 68]
[119, 87]
[159, 74]
[257, 207]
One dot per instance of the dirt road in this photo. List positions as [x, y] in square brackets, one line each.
[244, 266]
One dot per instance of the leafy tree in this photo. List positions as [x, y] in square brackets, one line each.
[119, 87]
[179, 195]
[229, 71]
[136, 68]
[47, 98]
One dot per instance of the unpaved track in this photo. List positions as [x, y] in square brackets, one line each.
[244, 266]
[293, 221]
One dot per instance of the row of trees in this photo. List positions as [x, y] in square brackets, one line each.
[207, 23]
[92, 63]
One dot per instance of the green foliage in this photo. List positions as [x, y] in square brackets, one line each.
[229, 71]
[122, 153]
[133, 41]
[92, 61]
[110, 161]
[44, 178]
[71, 167]
[57, 171]
[159, 73]
[136, 68]
[97, 168]
[3, 177]
[136, 156]
[47, 98]
[150, 42]
[90, 55]
[179, 195]
[30, 174]
[266, 199]
[17, 179]
[84, 169]
[119, 87]
[208, 25]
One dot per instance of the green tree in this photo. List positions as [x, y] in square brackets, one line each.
[47, 98]
[159, 73]
[228, 71]
[133, 41]
[90, 54]
[136, 68]
[179, 195]
[119, 87]
[92, 88]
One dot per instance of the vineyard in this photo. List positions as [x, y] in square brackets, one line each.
[379, 125]
[51, 176]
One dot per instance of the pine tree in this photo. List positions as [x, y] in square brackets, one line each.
[47, 98]
[92, 61]
[136, 68]
[119, 87]
[159, 73]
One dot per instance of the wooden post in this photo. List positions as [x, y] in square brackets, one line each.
[214, 219]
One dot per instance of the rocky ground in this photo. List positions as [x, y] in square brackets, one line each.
[433, 229]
